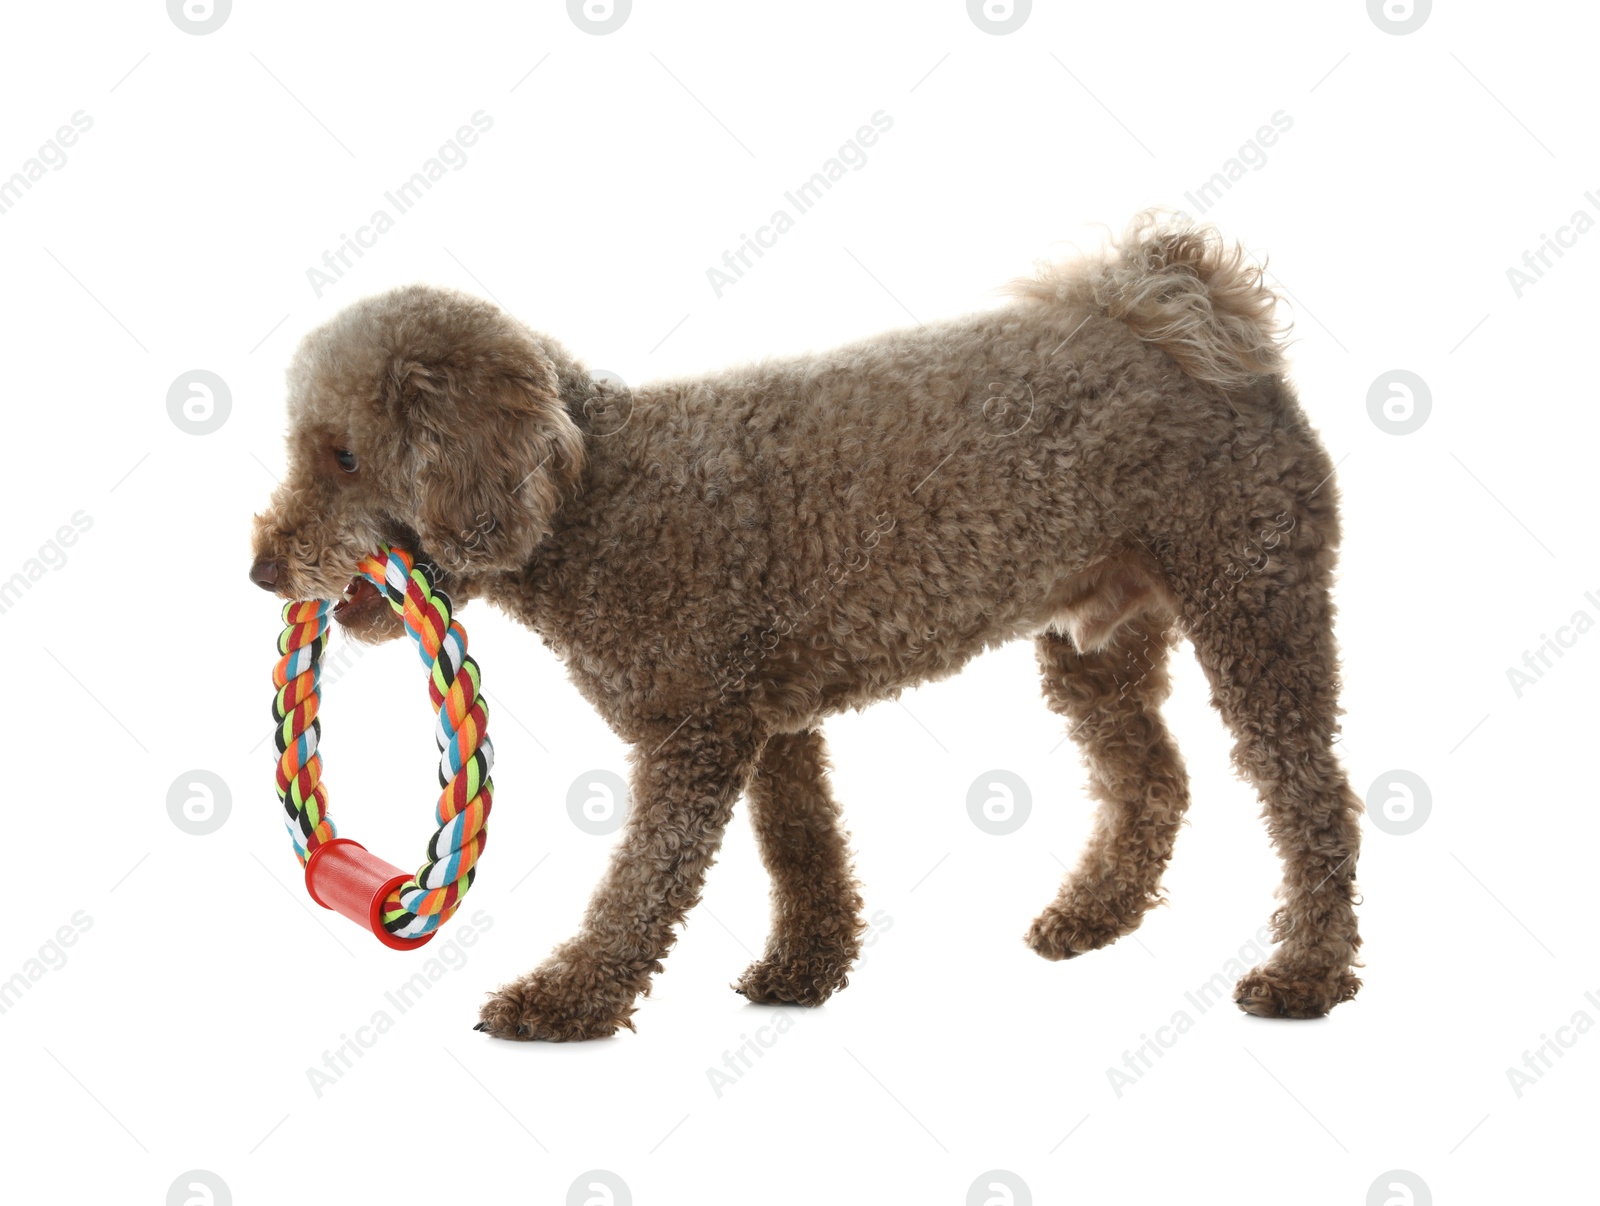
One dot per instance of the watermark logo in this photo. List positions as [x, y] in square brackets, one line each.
[879, 924]
[597, 802]
[1399, 802]
[450, 956]
[337, 661]
[1137, 1062]
[1010, 406]
[199, 402]
[1542, 1058]
[1538, 659]
[610, 408]
[199, 1187]
[1206, 996]
[999, 1187]
[851, 157]
[402, 199]
[1399, 16]
[1399, 1187]
[741, 1061]
[1399, 402]
[742, 1058]
[599, 16]
[1249, 560]
[999, 16]
[599, 1187]
[999, 802]
[51, 956]
[1252, 156]
[199, 802]
[199, 16]
[51, 156]
[1537, 262]
[52, 555]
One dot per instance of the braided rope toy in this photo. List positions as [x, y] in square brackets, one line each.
[402, 910]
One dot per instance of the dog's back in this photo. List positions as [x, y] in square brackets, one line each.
[850, 523]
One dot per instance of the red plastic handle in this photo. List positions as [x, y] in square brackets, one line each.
[343, 876]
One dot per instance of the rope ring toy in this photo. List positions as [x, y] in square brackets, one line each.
[403, 911]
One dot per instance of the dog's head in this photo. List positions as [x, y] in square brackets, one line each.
[423, 418]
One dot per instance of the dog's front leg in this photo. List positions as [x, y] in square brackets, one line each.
[683, 793]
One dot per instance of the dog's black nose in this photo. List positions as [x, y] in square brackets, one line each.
[265, 574]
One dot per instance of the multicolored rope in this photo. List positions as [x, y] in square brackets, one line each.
[427, 900]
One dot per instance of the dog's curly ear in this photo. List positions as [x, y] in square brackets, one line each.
[491, 450]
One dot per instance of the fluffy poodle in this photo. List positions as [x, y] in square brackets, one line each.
[1108, 461]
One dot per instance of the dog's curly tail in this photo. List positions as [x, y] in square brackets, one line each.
[1179, 285]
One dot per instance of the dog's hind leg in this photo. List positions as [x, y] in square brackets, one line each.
[816, 902]
[1266, 643]
[1274, 679]
[1111, 698]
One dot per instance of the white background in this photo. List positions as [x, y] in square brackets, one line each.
[178, 234]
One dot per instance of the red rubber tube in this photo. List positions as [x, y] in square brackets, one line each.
[344, 876]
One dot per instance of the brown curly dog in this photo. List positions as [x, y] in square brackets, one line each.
[1108, 461]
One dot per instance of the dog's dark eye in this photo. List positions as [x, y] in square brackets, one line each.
[346, 459]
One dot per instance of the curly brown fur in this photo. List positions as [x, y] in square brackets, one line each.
[1111, 459]
[1111, 697]
[1184, 288]
[816, 904]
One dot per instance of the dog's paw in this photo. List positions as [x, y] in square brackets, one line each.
[806, 981]
[1269, 993]
[545, 1008]
[1059, 934]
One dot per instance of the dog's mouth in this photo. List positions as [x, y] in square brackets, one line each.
[361, 602]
